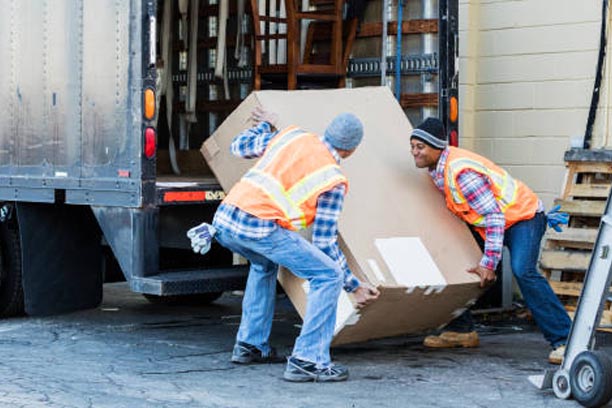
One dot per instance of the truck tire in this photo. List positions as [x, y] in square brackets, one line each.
[591, 378]
[200, 299]
[11, 288]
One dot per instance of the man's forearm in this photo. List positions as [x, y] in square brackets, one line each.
[252, 142]
[332, 250]
[495, 224]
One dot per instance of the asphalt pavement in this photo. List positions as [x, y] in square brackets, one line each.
[130, 353]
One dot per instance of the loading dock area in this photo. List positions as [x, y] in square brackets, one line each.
[129, 353]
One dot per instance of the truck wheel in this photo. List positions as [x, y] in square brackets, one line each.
[184, 300]
[591, 378]
[11, 289]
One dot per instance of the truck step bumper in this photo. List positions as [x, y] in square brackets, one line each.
[190, 282]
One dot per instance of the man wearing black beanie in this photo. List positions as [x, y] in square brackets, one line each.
[503, 211]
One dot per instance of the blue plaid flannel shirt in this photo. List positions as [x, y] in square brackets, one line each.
[251, 144]
[479, 196]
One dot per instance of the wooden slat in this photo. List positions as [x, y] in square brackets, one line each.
[273, 69]
[590, 190]
[606, 320]
[576, 235]
[268, 37]
[565, 260]
[560, 244]
[582, 207]
[606, 315]
[316, 15]
[419, 100]
[566, 288]
[271, 19]
[417, 26]
[604, 329]
[316, 69]
[590, 167]
[588, 155]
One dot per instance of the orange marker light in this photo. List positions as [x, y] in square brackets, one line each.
[149, 104]
[454, 109]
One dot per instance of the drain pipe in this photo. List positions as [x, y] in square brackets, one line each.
[398, 50]
[588, 134]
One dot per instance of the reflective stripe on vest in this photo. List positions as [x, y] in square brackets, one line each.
[289, 201]
[286, 182]
[307, 186]
[276, 146]
[504, 185]
[277, 193]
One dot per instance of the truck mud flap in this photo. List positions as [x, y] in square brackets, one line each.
[61, 258]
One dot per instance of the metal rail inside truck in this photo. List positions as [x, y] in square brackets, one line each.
[87, 192]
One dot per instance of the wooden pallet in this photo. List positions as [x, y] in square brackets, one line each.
[587, 186]
[605, 324]
[565, 256]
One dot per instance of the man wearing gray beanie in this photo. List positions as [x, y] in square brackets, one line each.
[297, 182]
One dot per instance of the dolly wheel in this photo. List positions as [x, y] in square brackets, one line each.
[591, 378]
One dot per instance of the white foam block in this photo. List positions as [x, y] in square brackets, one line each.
[375, 268]
[410, 262]
[346, 314]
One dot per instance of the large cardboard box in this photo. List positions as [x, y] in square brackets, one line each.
[395, 229]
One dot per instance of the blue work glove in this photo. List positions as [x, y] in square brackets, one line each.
[555, 218]
[201, 237]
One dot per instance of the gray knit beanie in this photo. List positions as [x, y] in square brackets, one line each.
[344, 132]
[431, 132]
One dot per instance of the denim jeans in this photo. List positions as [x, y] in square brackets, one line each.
[303, 259]
[523, 242]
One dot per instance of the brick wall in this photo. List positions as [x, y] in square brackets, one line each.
[527, 71]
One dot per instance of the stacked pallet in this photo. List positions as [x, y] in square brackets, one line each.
[565, 256]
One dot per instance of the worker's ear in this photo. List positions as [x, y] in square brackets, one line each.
[345, 153]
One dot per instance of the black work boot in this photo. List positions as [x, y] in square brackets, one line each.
[245, 353]
[302, 371]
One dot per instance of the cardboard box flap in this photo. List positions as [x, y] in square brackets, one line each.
[399, 312]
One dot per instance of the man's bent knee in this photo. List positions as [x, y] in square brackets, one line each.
[332, 277]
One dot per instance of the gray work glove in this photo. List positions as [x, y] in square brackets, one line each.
[201, 237]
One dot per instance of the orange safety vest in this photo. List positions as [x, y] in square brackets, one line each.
[514, 198]
[286, 182]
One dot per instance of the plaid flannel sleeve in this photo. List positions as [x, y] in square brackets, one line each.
[325, 232]
[480, 198]
[252, 142]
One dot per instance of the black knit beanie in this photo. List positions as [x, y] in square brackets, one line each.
[431, 132]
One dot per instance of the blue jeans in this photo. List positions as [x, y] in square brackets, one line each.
[303, 259]
[523, 241]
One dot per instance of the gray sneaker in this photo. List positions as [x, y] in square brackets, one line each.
[245, 353]
[303, 371]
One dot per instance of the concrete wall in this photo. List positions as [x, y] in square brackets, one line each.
[527, 72]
